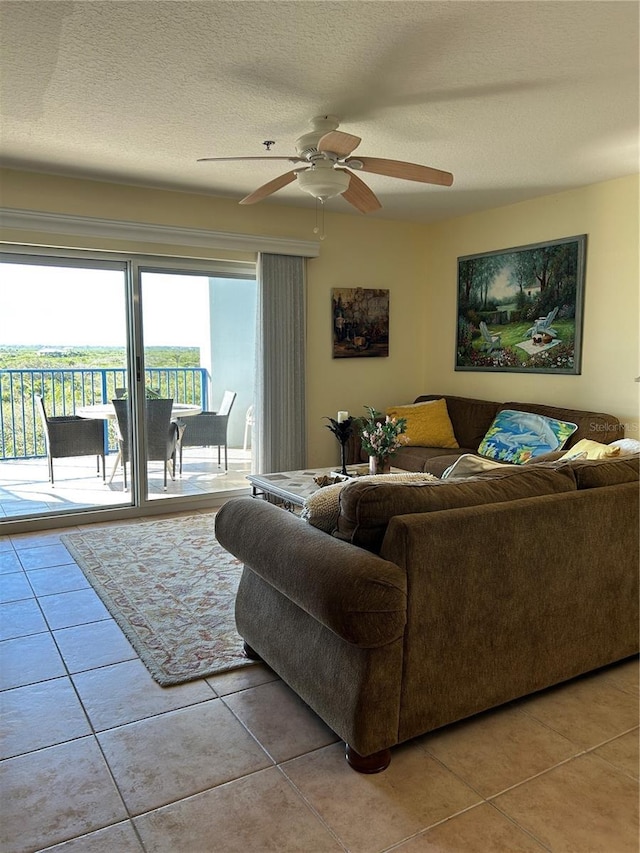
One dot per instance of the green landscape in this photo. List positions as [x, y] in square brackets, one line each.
[79, 358]
[69, 376]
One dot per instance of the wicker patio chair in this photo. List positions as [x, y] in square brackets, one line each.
[70, 436]
[208, 429]
[161, 434]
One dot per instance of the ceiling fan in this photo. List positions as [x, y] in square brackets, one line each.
[329, 168]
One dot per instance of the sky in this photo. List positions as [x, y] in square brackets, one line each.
[67, 306]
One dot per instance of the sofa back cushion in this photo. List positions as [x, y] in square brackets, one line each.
[367, 508]
[597, 426]
[433, 460]
[470, 418]
[593, 473]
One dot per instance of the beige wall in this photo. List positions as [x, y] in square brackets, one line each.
[608, 214]
[357, 252]
[417, 263]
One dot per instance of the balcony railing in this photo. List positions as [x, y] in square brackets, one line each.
[64, 390]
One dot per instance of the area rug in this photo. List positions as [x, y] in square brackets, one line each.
[171, 588]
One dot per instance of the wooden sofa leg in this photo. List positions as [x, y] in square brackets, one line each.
[375, 763]
[250, 653]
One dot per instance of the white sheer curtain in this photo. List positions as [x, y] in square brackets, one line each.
[280, 425]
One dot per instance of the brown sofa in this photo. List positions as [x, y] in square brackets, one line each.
[472, 418]
[433, 602]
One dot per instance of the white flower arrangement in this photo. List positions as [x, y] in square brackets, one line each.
[380, 438]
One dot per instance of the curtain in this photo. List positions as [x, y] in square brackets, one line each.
[280, 418]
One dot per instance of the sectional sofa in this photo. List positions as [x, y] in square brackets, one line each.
[471, 419]
[430, 602]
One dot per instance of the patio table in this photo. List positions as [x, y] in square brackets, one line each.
[106, 411]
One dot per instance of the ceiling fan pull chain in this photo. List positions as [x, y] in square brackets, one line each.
[320, 228]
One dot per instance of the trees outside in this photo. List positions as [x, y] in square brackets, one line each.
[71, 377]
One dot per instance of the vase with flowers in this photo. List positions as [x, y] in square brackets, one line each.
[380, 437]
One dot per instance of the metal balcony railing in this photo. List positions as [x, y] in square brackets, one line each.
[64, 390]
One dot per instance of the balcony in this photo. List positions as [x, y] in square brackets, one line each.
[24, 484]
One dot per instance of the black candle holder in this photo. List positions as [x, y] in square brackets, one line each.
[342, 431]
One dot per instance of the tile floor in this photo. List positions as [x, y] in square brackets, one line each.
[97, 758]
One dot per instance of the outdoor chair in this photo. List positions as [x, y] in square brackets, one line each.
[542, 326]
[491, 340]
[69, 436]
[161, 435]
[249, 423]
[208, 429]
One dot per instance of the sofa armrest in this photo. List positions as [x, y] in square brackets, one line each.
[357, 595]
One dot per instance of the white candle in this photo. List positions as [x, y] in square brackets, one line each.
[342, 416]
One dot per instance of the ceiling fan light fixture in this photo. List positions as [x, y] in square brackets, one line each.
[324, 183]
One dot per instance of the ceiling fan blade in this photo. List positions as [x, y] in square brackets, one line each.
[272, 187]
[292, 159]
[406, 171]
[360, 196]
[339, 143]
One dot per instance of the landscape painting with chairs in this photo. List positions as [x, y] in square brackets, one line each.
[66, 438]
[520, 309]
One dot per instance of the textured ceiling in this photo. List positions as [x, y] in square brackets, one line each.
[517, 99]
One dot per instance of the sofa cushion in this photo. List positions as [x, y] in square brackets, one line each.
[593, 473]
[470, 465]
[554, 456]
[470, 418]
[587, 449]
[431, 459]
[627, 446]
[517, 436]
[598, 426]
[367, 508]
[428, 424]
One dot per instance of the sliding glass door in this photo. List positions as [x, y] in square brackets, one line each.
[199, 352]
[97, 343]
[63, 350]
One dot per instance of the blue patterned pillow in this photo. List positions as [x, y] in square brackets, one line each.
[519, 436]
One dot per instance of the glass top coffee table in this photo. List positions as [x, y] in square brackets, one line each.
[292, 488]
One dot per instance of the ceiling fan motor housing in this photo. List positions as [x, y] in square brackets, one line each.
[307, 144]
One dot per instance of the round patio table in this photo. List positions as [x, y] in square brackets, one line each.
[105, 411]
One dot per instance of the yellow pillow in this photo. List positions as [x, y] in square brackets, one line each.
[428, 424]
[587, 449]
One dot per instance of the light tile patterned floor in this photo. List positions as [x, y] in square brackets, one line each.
[97, 758]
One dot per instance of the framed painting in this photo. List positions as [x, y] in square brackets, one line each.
[360, 322]
[520, 309]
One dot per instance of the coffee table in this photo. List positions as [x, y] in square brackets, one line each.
[290, 489]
